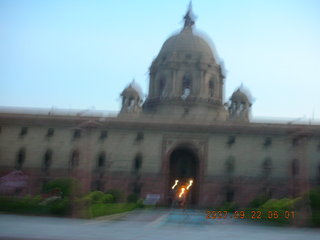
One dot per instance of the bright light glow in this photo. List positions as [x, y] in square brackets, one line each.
[190, 184]
[182, 192]
[175, 184]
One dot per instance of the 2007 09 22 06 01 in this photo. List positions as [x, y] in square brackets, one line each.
[250, 214]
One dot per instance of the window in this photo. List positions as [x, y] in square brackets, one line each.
[21, 156]
[230, 165]
[186, 86]
[162, 84]
[229, 194]
[74, 161]
[101, 162]
[295, 167]
[186, 82]
[76, 134]
[266, 167]
[47, 158]
[137, 164]
[140, 136]
[103, 135]
[211, 88]
[295, 142]
[50, 132]
[23, 131]
[267, 142]
[231, 140]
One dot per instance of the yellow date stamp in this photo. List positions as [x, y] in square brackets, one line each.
[250, 214]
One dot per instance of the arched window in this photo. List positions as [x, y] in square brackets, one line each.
[101, 162]
[295, 167]
[131, 103]
[266, 167]
[21, 156]
[137, 163]
[162, 85]
[211, 88]
[103, 135]
[186, 85]
[230, 165]
[47, 158]
[74, 161]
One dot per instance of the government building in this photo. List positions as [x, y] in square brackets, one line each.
[186, 128]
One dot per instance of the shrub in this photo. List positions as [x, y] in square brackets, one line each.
[107, 198]
[24, 205]
[59, 207]
[66, 186]
[140, 203]
[284, 204]
[281, 206]
[96, 196]
[314, 197]
[132, 198]
[117, 194]
[258, 201]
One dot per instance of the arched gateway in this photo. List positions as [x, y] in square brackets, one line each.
[183, 166]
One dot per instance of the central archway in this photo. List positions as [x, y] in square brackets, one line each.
[183, 165]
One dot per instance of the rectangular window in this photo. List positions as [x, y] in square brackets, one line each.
[140, 136]
[231, 140]
[295, 142]
[23, 131]
[103, 135]
[76, 134]
[267, 142]
[50, 132]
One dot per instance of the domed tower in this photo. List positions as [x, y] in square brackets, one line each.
[186, 78]
[131, 99]
[240, 106]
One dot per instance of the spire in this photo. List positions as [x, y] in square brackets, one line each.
[188, 18]
[133, 82]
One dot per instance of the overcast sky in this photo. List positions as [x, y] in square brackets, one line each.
[81, 54]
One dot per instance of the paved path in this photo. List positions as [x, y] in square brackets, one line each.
[141, 225]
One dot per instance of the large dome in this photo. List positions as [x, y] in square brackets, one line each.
[186, 78]
[186, 41]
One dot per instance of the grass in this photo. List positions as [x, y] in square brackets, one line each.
[102, 209]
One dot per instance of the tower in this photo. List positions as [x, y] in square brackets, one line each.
[186, 79]
[240, 106]
[131, 99]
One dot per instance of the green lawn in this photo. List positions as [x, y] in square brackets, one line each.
[102, 209]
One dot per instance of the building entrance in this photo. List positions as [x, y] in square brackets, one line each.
[183, 171]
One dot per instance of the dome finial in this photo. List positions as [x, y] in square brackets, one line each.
[188, 18]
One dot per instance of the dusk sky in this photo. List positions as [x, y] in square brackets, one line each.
[82, 54]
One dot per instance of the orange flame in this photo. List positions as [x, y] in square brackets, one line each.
[182, 192]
